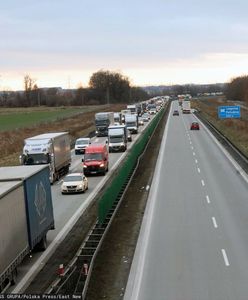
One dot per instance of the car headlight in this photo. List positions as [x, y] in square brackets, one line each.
[80, 186]
[101, 165]
[85, 166]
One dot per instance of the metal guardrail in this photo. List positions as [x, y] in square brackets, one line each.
[236, 153]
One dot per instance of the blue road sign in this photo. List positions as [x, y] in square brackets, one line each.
[225, 112]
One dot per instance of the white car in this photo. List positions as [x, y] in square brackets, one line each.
[74, 183]
[81, 144]
[141, 121]
[146, 117]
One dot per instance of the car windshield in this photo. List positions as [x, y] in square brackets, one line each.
[73, 178]
[116, 139]
[37, 159]
[82, 142]
[102, 122]
[92, 156]
[131, 123]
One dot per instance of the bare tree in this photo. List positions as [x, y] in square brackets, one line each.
[29, 84]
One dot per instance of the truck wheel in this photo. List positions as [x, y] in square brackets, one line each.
[14, 277]
[42, 245]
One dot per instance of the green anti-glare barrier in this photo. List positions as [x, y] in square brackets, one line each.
[110, 195]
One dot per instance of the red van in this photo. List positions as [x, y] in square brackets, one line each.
[96, 159]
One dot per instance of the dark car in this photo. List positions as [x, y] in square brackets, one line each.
[175, 113]
[194, 126]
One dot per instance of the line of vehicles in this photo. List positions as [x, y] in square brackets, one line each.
[184, 102]
[26, 208]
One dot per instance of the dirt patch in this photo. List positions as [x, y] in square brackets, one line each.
[234, 129]
[79, 125]
[113, 262]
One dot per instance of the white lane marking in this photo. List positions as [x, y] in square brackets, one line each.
[214, 222]
[194, 153]
[198, 169]
[225, 257]
[208, 200]
[235, 164]
[202, 182]
[136, 273]
[192, 147]
[97, 140]
[196, 161]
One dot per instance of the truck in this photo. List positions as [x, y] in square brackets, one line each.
[48, 148]
[139, 109]
[117, 138]
[123, 113]
[186, 107]
[102, 121]
[117, 118]
[26, 215]
[132, 108]
[131, 122]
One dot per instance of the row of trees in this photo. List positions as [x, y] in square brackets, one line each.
[237, 89]
[105, 87]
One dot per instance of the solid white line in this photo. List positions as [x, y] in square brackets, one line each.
[194, 153]
[202, 182]
[198, 169]
[214, 222]
[208, 200]
[225, 257]
[234, 163]
[196, 161]
[139, 261]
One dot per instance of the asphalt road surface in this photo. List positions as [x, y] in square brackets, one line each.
[194, 239]
[67, 209]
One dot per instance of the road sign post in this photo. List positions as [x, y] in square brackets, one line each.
[225, 112]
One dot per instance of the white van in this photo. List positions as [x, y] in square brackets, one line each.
[81, 144]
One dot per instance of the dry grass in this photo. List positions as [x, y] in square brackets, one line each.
[80, 125]
[234, 129]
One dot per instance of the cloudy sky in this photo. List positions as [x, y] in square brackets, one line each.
[62, 42]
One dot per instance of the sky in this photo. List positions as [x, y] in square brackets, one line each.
[63, 42]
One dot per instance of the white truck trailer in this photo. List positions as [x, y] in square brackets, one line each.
[48, 148]
[186, 107]
[131, 122]
[117, 138]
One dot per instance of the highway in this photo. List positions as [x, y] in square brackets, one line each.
[67, 210]
[193, 242]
